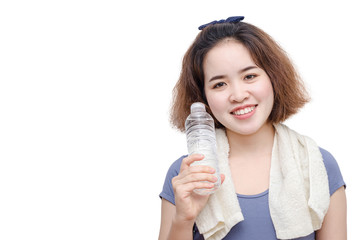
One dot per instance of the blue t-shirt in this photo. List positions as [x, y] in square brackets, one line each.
[257, 224]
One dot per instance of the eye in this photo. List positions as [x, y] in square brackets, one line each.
[250, 77]
[217, 85]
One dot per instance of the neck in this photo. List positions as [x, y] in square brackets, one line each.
[256, 144]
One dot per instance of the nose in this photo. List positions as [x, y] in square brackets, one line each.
[239, 92]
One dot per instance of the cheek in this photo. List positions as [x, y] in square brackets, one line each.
[265, 92]
[214, 103]
[269, 93]
[268, 96]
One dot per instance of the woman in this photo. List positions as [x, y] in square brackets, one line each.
[250, 87]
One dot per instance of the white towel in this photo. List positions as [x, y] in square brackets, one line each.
[222, 211]
[298, 190]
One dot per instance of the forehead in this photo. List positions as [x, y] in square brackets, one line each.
[227, 54]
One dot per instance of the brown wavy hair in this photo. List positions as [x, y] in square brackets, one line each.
[289, 91]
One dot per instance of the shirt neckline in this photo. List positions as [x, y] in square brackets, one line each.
[253, 196]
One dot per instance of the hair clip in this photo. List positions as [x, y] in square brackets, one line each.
[229, 20]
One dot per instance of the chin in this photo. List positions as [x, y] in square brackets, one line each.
[247, 129]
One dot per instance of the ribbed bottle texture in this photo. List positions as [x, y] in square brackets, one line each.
[200, 134]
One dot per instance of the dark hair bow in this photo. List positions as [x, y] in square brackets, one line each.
[229, 20]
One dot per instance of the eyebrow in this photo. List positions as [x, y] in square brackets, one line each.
[223, 76]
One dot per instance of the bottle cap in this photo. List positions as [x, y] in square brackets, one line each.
[197, 107]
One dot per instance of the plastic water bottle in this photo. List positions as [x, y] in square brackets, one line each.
[200, 134]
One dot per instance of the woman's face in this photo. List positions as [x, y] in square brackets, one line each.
[239, 93]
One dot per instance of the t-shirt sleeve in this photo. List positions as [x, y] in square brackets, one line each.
[167, 190]
[335, 177]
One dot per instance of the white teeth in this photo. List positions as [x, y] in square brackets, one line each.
[244, 111]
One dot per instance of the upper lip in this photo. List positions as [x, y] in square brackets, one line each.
[242, 107]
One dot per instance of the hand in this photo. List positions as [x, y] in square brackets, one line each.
[188, 203]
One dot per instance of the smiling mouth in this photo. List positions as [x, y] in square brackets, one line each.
[243, 111]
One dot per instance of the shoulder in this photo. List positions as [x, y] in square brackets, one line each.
[335, 177]
[174, 169]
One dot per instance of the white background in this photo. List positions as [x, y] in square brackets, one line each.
[85, 90]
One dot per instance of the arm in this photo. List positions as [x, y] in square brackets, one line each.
[335, 222]
[170, 228]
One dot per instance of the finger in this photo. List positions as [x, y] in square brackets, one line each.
[222, 178]
[187, 161]
[184, 190]
[197, 177]
[201, 169]
[196, 169]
